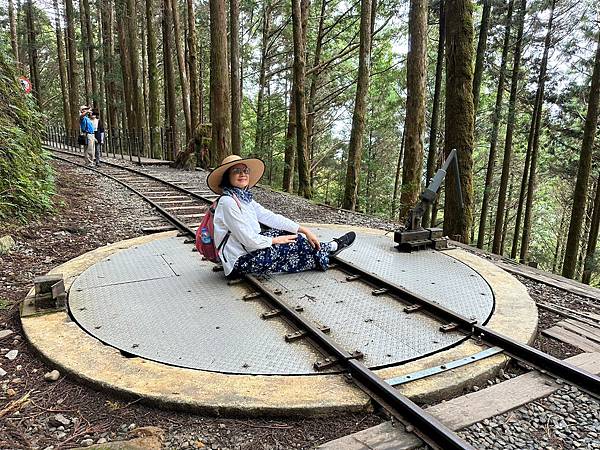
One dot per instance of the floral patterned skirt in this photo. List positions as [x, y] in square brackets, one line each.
[294, 257]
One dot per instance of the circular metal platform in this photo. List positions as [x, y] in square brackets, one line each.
[161, 302]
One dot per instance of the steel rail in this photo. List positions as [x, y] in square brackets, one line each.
[178, 223]
[542, 361]
[427, 427]
[138, 172]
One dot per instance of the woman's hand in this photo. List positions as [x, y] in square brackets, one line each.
[285, 239]
[312, 239]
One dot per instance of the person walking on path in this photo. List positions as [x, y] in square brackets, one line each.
[87, 129]
[98, 135]
[285, 247]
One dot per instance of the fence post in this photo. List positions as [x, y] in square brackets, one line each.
[136, 134]
[120, 143]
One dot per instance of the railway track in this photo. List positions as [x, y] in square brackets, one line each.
[184, 208]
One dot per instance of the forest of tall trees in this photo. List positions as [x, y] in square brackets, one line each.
[350, 103]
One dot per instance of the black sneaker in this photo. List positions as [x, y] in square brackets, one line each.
[344, 242]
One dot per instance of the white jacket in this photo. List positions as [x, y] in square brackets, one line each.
[244, 223]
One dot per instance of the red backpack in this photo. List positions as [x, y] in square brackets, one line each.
[205, 234]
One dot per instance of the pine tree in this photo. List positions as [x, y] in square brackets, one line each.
[415, 106]
[583, 173]
[459, 116]
[358, 118]
[220, 108]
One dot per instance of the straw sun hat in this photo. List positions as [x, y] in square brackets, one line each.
[256, 166]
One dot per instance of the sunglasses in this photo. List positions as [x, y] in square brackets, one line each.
[240, 170]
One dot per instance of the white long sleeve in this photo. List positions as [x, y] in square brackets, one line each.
[272, 220]
[243, 221]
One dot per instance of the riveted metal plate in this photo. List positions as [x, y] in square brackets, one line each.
[432, 274]
[160, 302]
[187, 316]
[375, 325]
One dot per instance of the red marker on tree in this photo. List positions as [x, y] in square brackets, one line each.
[25, 84]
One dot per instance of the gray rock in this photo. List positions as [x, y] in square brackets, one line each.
[61, 420]
[5, 333]
[11, 355]
[102, 441]
[87, 442]
[52, 376]
[2, 372]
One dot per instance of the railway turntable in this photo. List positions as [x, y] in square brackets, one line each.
[148, 318]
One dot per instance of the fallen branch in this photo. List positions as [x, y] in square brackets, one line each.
[15, 405]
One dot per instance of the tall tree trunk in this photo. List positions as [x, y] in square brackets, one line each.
[510, 127]
[62, 70]
[85, 53]
[432, 156]
[304, 187]
[416, 78]
[72, 66]
[220, 111]
[291, 162]
[523, 188]
[137, 97]
[21, 36]
[398, 177]
[360, 102]
[559, 239]
[481, 46]
[144, 72]
[290, 147]
[459, 116]
[314, 77]
[536, 138]
[590, 254]
[234, 14]
[584, 237]
[153, 76]
[34, 69]
[101, 74]
[183, 78]
[201, 64]
[506, 218]
[489, 175]
[169, 76]
[121, 10]
[89, 44]
[262, 81]
[583, 173]
[14, 42]
[193, 68]
[108, 58]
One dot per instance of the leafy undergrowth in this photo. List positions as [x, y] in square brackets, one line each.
[26, 178]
